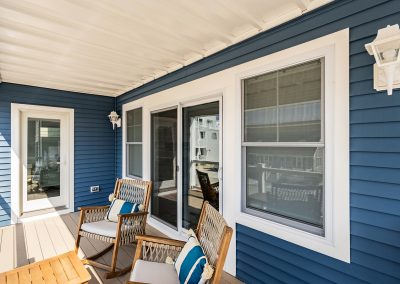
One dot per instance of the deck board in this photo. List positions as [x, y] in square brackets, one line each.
[58, 242]
[21, 254]
[7, 249]
[33, 247]
[46, 242]
[26, 243]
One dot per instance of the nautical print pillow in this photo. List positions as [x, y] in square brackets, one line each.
[119, 206]
[192, 263]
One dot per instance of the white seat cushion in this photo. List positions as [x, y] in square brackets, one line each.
[103, 228]
[154, 272]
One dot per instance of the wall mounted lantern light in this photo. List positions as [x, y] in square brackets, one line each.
[385, 49]
[114, 119]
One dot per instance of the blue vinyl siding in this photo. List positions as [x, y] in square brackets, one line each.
[94, 141]
[374, 146]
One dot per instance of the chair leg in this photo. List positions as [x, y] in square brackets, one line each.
[78, 240]
[113, 273]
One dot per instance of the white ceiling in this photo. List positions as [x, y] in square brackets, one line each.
[108, 47]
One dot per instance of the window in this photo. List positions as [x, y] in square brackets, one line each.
[283, 146]
[134, 143]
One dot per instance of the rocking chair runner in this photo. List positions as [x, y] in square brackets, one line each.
[92, 223]
[213, 234]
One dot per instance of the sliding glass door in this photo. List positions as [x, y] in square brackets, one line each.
[200, 160]
[189, 138]
[164, 166]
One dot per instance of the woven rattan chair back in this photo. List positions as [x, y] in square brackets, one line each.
[134, 191]
[210, 232]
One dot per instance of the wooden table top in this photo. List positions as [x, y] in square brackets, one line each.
[64, 268]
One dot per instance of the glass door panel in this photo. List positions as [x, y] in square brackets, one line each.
[43, 158]
[201, 160]
[164, 166]
[45, 167]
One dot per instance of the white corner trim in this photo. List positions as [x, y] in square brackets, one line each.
[15, 164]
[336, 242]
[16, 178]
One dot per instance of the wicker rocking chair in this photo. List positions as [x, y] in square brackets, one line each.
[92, 223]
[213, 234]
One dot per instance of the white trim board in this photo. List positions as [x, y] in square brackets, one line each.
[228, 80]
[16, 175]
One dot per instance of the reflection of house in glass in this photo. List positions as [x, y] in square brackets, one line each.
[285, 144]
[295, 116]
[204, 147]
[43, 160]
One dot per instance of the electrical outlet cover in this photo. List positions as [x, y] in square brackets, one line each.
[95, 188]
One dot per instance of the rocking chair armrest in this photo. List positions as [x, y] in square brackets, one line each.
[92, 214]
[160, 240]
[131, 215]
[86, 208]
[162, 247]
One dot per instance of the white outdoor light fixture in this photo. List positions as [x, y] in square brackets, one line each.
[385, 49]
[114, 119]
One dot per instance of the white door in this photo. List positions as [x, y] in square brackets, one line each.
[45, 160]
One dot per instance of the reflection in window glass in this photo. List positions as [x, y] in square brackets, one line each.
[284, 106]
[43, 158]
[164, 165]
[260, 108]
[200, 160]
[134, 142]
[285, 184]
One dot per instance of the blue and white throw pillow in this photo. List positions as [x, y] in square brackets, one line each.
[119, 206]
[192, 264]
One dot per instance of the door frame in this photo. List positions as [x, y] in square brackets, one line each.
[216, 96]
[62, 199]
[152, 111]
[195, 102]
[16, 159]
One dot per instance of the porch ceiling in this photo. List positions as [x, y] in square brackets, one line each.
[108, 47]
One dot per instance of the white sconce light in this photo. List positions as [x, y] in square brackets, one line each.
[385, 49]
[114, 119]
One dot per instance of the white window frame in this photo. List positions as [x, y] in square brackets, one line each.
[334, 49]
[125, 109]
[314, 144]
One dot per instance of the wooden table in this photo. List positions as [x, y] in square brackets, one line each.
[64, 268]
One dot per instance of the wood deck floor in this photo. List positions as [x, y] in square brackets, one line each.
[26, 243]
